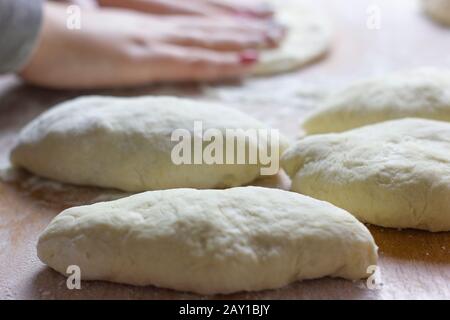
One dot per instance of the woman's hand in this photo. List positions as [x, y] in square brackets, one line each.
[247, 8]
[117, 48]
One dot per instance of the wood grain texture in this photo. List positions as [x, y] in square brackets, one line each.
[414, 264]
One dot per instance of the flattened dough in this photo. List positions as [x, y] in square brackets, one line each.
[308, 38]
[392, 174]
[125, 143]
[438, 10]
[420, 93]
[209, 241]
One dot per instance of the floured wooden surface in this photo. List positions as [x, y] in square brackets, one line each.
[413, 264]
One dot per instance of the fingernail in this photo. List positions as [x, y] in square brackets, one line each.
[271, 39]
[274, 36]
[249, 57]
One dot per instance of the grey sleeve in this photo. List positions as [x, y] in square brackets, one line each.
[20, 23]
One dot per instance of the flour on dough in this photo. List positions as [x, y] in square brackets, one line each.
[392, 174]
[125, 143]
[438, 10]
[308, 38]
[421, 93]
[209, 241]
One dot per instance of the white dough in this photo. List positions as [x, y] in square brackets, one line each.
[308, 38]
[438, 10]
[209, 241]
[392, 174]
[421, 93]
[125, 143]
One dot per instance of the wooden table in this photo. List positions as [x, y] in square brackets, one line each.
[413, 264]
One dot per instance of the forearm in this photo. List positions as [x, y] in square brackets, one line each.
[20, 22]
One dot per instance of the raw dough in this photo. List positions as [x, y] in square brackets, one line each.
[421, 93]
[308, 38]
[438, 10]
[125, 143]
[209, 241]
[393, 174]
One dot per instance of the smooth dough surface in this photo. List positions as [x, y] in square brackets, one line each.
[419, 93]
[125, 143]
[209, 241]
[438, 10]
[392, 174]
[308, 38]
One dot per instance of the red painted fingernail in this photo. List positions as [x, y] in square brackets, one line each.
[249, 57]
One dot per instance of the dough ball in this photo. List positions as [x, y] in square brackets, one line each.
[392, 174]
[125, 143]
[420, 93]
[308, 38]
[209, 241]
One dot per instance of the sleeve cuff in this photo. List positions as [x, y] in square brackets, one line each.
[20, 23]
